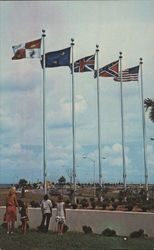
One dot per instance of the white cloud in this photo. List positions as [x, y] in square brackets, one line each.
[80, 104]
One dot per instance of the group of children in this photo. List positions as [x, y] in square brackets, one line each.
[46, 208]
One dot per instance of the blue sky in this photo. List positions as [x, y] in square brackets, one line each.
[116, 26]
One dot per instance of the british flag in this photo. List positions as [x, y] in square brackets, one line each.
[84, 64]
[110, 70]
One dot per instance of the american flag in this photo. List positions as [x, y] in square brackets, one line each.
[128, 75]
[109, 70]
[84, 64]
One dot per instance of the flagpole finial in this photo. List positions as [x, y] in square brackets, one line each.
[97, 47]
[72, 41]
[43, 33]
[141, 62]
[120, 54]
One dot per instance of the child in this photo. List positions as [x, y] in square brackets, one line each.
[61, 215]
[46, 207]
[24, 217]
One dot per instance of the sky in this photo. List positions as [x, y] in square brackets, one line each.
[125, 26]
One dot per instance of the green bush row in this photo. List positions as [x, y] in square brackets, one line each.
[112, 233]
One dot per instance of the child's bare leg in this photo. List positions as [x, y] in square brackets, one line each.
[12, 226]
[25, 227]
[62, 227]
[8, 227]
[59, 228]
[22, 226]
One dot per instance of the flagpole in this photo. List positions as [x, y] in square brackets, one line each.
[99, 127]
[122, 123]
[44, 114]
[73, 123]
[144, 132]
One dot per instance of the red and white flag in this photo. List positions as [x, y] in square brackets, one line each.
[27, 50]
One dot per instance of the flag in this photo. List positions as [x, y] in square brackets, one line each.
[57, 58]
[27, 50]
[110, 70]
[84, 64]
[128, 75]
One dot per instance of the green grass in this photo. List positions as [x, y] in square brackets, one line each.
[34, 240]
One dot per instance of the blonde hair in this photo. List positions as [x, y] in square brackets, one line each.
[12, 190]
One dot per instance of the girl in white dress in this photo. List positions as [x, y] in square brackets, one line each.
[61, 214]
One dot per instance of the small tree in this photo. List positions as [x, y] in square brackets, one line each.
[22, 184]
[84, 203]
[149, 104]
[104, 205]
[62, 181]
[115, 205]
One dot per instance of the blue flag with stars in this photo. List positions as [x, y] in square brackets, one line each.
[57, 58]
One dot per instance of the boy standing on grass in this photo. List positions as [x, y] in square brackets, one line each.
[46, 207]
[61, 215]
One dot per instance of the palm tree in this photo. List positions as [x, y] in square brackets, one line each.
[149, 104]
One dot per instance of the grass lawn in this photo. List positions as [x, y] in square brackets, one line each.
[71, 241]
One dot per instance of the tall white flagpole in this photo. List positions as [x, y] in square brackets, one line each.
[122, 124]
[99, 126]
[73, 123]
[144, 132]
[44, 114]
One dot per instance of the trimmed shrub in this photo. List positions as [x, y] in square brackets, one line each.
[87, 229]
[74, 205]
[137, 234]
[35, 204]
[109, 232]
[77, 201]
[65, 229]
[148, 205]
[144, 207]
[84, 203]
[115, 205]
[93, 204]
[130, 206]
[112, 199]
[104, 205]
